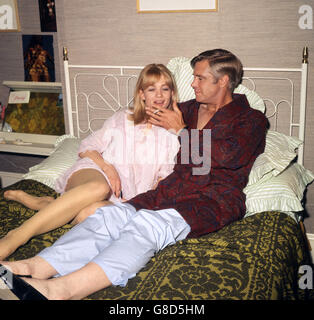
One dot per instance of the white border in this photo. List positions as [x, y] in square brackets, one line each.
[310, 237]
[4, 4]
[176, 6]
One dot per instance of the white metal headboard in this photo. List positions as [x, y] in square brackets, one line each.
[117, 84]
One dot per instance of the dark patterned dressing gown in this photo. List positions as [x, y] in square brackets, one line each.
[210, 201]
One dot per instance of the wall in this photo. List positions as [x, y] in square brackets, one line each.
[261, 33]
[11, 53]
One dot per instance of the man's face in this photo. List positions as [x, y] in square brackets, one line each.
[206, 87]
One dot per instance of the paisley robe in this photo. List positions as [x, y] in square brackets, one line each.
[214, 198]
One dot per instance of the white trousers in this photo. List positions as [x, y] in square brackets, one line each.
[118, 238]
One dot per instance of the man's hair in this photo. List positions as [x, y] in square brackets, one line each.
[222, 62]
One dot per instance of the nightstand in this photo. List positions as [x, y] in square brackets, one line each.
[35, 115]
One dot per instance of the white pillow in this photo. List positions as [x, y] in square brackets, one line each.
[183, 75]
[57, 163]
[280, 150]
[255, 101]
[283, 192]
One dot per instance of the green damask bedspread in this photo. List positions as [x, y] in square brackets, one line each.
[256, 258]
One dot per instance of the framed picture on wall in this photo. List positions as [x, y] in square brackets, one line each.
[47, 11]
[9, 17]
[176, 5]
[38, 55]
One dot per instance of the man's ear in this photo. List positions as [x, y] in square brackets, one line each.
[224, 81]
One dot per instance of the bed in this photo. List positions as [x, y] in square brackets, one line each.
[256, 258]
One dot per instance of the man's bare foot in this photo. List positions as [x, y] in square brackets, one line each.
[36, 267]
[52, 289]
[47, 288]
[41, 272]
[20, 268]
[32, 202]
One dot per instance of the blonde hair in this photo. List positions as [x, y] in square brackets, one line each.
[151, 74]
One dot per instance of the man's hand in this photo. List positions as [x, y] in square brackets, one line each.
[171, 120]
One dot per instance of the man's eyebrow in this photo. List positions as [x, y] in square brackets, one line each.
[203, 75]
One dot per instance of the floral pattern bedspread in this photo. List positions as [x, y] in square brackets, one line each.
[256, 258]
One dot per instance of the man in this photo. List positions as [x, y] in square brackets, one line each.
[113, 244]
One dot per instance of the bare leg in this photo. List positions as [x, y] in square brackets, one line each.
[76, 285]
[29, 201]
[84, 188]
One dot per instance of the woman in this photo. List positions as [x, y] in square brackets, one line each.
[127, 156]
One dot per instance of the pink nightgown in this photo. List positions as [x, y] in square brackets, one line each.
[141, 155]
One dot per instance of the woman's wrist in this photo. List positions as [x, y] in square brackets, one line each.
[106, 166]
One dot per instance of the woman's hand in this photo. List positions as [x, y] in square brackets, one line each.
[113, 177]
[171, 120]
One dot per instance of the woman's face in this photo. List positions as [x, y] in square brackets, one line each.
[157, 95]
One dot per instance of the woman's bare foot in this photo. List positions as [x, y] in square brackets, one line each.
[32, 202]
